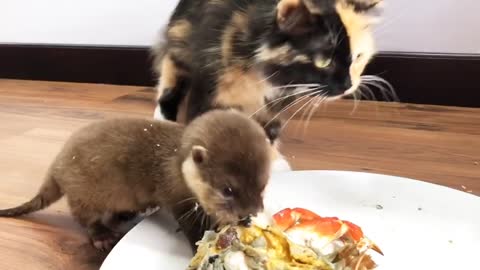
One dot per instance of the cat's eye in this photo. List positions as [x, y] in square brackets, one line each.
[321, 62]
[228, 192]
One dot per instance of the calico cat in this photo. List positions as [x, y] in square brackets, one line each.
[257, 55]
[247, 53]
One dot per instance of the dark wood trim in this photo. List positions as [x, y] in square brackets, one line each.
[442, 79]
[109, 65]
[439, 79]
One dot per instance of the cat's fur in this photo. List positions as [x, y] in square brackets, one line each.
[246, 53]
[258, 55]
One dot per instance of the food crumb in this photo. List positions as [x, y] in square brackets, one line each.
[470, 191]
[464, 187]
[379, 207]
[145, 129]
[394, 197]
[419, 209]
[450, 241]
[175, 150]
[151, 125]
[74, 157]
[158, 145]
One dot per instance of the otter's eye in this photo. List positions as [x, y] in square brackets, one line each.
[228, 192]
[321, 62]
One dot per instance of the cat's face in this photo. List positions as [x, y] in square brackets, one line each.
[323, 45]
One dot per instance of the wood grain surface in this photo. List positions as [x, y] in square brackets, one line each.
[431, 143]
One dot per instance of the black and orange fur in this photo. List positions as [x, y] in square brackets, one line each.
[248, 53]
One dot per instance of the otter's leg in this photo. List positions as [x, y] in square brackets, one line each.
[172, 89]
[193, 222]
[102, 237]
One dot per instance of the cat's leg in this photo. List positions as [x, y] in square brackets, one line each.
[273, 129]
[172, 89]
[280, 164]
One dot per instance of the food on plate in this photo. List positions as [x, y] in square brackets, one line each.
[296, 239]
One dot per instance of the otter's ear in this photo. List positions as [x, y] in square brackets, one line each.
[199, 154]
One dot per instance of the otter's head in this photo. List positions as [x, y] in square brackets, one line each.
[226, 164]
[322, 45]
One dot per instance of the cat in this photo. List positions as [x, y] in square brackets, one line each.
[257, 55]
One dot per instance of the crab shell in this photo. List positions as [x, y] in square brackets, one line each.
[326, 228]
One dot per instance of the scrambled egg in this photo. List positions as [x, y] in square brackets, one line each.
[240, 248]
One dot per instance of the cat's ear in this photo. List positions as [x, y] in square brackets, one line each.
[199, 154]
[297, 16]
[293, 17]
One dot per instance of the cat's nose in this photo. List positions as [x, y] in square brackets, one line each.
[340, 87]
[347, 83]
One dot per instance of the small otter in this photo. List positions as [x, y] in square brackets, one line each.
[211, 172]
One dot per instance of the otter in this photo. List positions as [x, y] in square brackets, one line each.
[211, 172]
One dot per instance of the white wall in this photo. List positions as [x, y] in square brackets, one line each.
[431, 26]
[422, 25]
[96, 22]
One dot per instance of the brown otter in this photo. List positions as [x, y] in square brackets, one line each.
[212, 171]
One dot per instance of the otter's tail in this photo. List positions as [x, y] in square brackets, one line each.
[49, 193]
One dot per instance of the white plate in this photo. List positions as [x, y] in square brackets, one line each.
[417, 225]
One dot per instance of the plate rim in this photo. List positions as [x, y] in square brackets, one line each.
[341, 172]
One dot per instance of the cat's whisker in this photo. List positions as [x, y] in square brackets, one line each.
[310, 103]
[382, 84]
[293, 103]
[381, 88]
[366, 90]
[297, 86]
[269, 77]
[316, 106]
[310, 107]
[355, 103]
[293, 115]
[313, 105]
[280, 99]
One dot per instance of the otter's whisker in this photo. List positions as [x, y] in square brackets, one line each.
[186, 200]
[188, 214]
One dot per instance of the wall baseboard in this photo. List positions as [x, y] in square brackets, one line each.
[440, 79]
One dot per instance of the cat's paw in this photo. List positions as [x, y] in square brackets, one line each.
[280, 165]
[157, 114]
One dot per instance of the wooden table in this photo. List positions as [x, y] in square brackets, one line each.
[431, 143]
